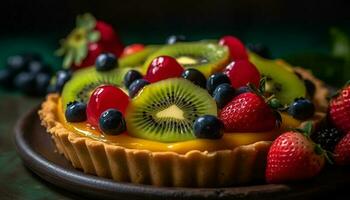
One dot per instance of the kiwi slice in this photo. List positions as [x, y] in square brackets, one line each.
[280, 79]
[203, 56]
[165, 111]
[85, 81]
[137, 59]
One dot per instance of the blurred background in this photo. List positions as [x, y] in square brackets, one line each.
[298, 31]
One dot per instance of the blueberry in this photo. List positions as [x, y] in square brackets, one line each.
[175, 38]
[223, 94]
[37, 67]
[26, 82]
[243, 89]
[301, 109]
[76, 112]
[62, 77]
[6, 78]
[17, 63]
[310, 87]
[105, 62]
[136, 86]
[208, 126]
[260, 49]
[42, 83]
[112, 122]
[131, 76]
[195, 77]
[216, 79]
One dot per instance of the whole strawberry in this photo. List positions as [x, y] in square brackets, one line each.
[248, 112]
[293, 156]
[342, 151]
[339, 110]
[89, 39]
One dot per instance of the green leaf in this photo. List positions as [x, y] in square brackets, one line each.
[94, 36]
[307, 129]
[86, 21]
[68, 59]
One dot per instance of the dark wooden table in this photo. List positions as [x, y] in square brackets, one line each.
[16, 181]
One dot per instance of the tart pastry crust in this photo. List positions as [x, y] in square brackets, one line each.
[240, 165]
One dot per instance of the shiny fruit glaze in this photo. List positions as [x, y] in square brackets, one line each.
[131, 49]
[241, 73]
[163, 67]
[103, 98]
[235, 46]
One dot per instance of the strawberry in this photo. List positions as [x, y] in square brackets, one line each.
[293, 156]
[342, 151]
[90, 38]
[248, 112]
[339, 110]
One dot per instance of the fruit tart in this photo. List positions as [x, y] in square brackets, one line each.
[184, 114]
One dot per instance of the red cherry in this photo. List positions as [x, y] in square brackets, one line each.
[241, 73]
[103, 98]
[163, 67]
[235, 46]
[131, 49]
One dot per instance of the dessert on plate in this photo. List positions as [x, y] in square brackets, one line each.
[188, 114]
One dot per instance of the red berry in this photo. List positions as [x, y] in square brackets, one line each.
[103, 98]
[163, 67]
[241, 73]
[339, 110]
[235, 46]
[342, 151]
[247, 112]
[293, 156]
[109, 38]
[94, 50]
[131, 49]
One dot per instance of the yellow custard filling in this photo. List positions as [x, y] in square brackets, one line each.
[228, 141]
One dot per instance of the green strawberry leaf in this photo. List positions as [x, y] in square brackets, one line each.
[94, 36]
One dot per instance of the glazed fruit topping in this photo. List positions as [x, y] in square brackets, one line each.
[248, 112]
[131, 49]
[136, 86]
[105, 62]
[175, 38]
[235, 46]
[215, 80]
[103, 98]
[163, 67]
[131, 76]
[242, 72]
[293, 156]
[209, 127]
[112, 122]
[301, 109]
[223, 94]
[76, 112]
[195, 76]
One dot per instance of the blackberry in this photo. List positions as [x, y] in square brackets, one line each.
[327, 138]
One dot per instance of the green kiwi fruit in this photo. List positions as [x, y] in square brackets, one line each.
[137, 59]
[280, 79]
[203, 56]
[166, 110]
[85, 81]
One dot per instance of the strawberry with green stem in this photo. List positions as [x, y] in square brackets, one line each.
[294, 156]
[89, 39]
[250, 111]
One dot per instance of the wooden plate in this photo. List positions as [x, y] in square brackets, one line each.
[38, 153]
